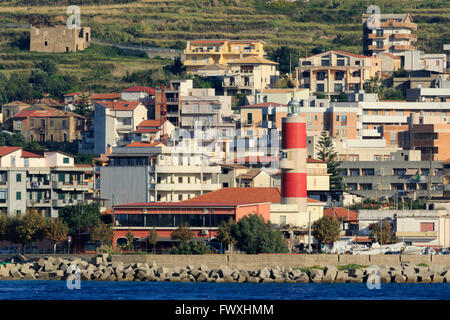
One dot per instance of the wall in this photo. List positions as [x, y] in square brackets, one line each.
[282, 260]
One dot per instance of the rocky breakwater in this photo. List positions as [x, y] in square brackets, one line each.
[101, 269]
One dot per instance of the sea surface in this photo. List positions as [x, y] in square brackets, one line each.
[101, 290]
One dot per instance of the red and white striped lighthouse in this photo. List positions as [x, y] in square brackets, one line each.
[293, 158]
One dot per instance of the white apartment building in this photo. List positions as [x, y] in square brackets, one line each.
[155, 172]
[47, 182]
[115, 122]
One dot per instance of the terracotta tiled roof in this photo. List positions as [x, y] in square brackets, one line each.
[7, 150]
[119, 105]
[72, 94]
[143, 144]
[264, 105]
[26, 154]
[105, 96]
[239, 196]
[341, 52]
[150, 123]
[151, 91]
[252, 60]
[343, 213]
[250, 175]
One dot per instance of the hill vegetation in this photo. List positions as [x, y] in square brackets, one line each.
[301, 26]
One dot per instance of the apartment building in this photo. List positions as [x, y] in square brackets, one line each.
[173, 93]
[59, 39]
[257, 120]
[334, 72]
[44, 124]
[151, 172]
[392, 33]
[249, 74]
[430, 135]
[202, 53]
[47, 181]
[203, 106]
[150, 130]
[115, 123]
[405, 174]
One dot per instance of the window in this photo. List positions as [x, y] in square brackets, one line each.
[380, 32]
[18, 195]
[26, 162]
[18, 177]
[65, 137]
[65, 160]
[321, 75]
[339, 75]
[338, 87]
[45, 43]
[320, 87]
[61, 177]
[180, 197]
[306, 74]
[180, 179]
[282, 220]
[64, 124]
[341, 62]
[249, 118]
[325, 62]
[426, 226]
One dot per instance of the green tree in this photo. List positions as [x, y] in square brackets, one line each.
[253, 235]
[382, 232]
[130, 240]
[374, 85]
[27, 229]
[286, 57]
[325, 152]
[3, 226]
[56, 231]
[152, 238]
[326, 230]
[191, 248]
[224, 233]
[83, 106]
[177, 67]
[183, 233]
[102, 233]
[80, 217]
[48, 66]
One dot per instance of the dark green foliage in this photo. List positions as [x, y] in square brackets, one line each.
[189, 247]
[286, 57]
[18, 140]
[326, 153]
[177, 67]
[326, 230]
[48, 66]
[383, 233]
[80, 217]
[253, 235]
[84, 158]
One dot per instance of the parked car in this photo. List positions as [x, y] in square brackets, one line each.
[9, 250]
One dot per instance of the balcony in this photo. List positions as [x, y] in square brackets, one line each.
[394, 24]
[74, 185]
[377, 48]
[409, 36]
[187, 187]
[405, 47]
[66, 202]
[376, 36]
[238, 84]
[40, 203]
[38, 184]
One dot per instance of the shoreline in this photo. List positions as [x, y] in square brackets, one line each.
[102, 268]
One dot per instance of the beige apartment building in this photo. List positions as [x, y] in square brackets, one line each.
[59, 39]
[202, 53]
[250, 74]
[334, 72]
[393, 33]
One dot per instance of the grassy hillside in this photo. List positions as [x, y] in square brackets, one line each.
[170, 23]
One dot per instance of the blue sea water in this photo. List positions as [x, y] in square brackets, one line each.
[100, 290]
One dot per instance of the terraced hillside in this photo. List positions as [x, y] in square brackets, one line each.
[170, 23]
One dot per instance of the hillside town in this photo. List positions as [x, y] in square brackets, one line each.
[358, 138]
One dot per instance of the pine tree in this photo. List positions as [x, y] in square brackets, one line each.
[325, 152]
